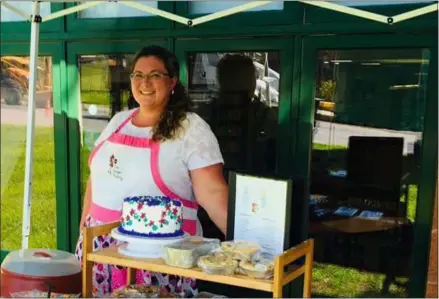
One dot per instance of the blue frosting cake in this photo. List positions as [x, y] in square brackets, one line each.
[151, 217]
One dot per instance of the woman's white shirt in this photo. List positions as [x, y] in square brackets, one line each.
[195, 147]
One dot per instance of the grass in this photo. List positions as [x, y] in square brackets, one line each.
[336, 281]
[43, 208]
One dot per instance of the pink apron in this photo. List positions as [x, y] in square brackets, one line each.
[119, 168]
[123, 166]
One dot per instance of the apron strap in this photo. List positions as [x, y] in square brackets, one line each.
[155, 148]
[94, 151]
[135, 112]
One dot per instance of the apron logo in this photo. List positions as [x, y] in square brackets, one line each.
[114, 170]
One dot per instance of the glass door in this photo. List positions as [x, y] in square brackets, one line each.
[365, 110]
[242, 89]
[49, 193]
[99, 88]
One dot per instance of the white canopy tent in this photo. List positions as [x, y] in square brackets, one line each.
[35, 19]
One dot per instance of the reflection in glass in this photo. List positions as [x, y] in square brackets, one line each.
[369, 109]
[104, 90]
[238, 95]
[115, 10]
[14, 98]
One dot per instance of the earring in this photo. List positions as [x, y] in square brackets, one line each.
[172, 92]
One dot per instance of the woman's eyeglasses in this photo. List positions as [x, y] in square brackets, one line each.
[151, 76]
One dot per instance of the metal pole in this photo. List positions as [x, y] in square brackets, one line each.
[349, 10]
[157, 12]
[228, 12]
[35, 27]
[71, 10]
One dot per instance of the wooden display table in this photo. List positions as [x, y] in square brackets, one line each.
[281, 277]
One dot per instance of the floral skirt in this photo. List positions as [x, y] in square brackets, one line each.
[107, 278]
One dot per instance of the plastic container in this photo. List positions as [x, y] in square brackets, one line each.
[29, 272]
[262, 269]
[208, 295]
[166, 294]
[217, 264]
[241, 250]
[137, 291]
[185, 253]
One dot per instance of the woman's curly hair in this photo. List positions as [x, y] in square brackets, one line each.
[171, 121]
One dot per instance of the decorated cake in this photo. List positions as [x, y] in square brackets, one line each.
[151, 217]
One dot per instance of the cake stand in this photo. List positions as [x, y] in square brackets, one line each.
[143, 247]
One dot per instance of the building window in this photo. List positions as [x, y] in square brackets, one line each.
[115, 10]
[25, 6]
[201, 7]
[365, 165]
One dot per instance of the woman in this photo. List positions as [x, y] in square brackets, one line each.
[158, 149]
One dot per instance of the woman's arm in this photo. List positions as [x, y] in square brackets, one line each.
[211, 192]
[86, 205]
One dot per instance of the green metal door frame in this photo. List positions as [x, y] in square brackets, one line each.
[56, 51]
[74, 114]
[428, 176]
[283, 45]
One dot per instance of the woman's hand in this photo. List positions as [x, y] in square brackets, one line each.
[211, 192]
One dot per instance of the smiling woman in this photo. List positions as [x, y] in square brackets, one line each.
[161, 150]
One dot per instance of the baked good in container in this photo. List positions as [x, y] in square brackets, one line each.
[208, 295]
[185, 254]
[218, 263]
[240, 250]
[137, 291]
[262, 269]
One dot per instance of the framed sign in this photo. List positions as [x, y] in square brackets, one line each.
[259, 211]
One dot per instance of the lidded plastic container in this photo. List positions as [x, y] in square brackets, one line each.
[185, 253]
[208, 295]
[218, 264]
[241, 250]
[137, 291]
[261, 269]
[45, 270]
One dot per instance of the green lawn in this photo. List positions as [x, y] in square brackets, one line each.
[43, 221]
[336, 281]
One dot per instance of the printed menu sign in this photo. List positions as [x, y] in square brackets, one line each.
[261, 212]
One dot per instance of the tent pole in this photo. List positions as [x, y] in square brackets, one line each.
[349, 10]
[157, 12]
[228, 12]
[35, 27]
[415, 13]
[71, 10]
